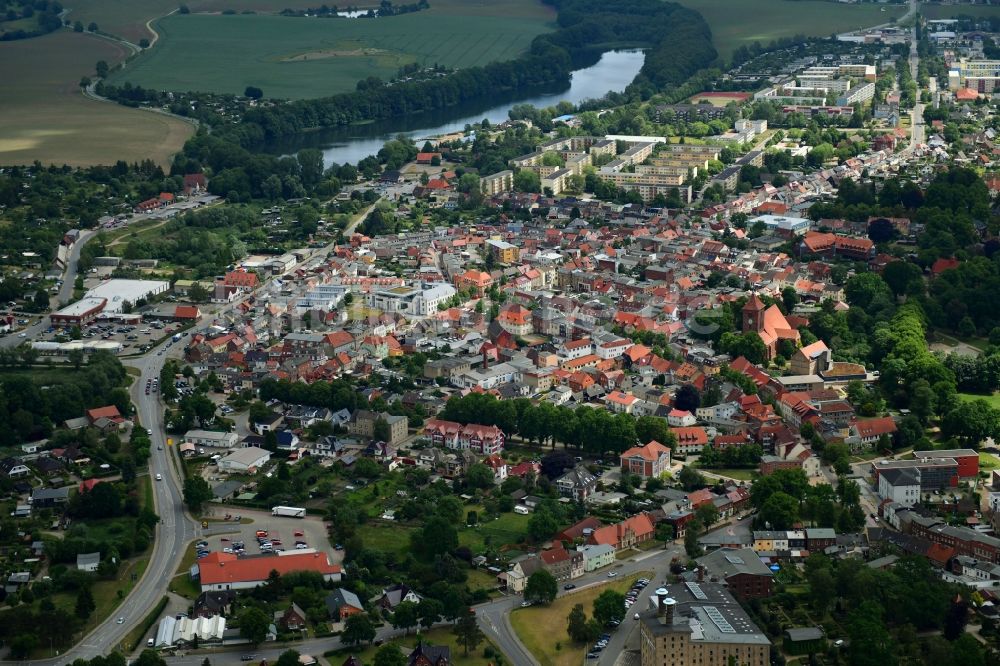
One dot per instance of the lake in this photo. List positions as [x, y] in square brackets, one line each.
[613, 72]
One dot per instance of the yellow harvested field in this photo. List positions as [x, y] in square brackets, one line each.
[47, 118]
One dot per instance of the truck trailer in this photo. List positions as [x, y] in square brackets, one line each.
[288, 511]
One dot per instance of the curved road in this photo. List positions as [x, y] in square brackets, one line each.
[176, 530]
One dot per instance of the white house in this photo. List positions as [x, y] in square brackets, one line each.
[595, 557]
[724, 410]
[574, 349]
[900, 485]
[679, 418]
[612, 349]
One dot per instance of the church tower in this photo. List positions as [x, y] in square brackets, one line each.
[753, 315]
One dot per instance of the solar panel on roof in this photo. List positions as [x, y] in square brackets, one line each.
[733, 559]
[716, 616]
[696, 591]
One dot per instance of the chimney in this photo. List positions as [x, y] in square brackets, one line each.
[701, 573]
[667, 616]
[661, 596]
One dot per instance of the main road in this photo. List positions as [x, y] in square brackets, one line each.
[917, 115]
[175, 531]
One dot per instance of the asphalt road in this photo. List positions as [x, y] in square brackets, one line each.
[172, 536]
[917, 128]
[65, 295]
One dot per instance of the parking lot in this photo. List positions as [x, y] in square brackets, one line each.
[283, 533]
[133, 338]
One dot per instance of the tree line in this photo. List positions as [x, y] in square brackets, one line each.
[593, 430]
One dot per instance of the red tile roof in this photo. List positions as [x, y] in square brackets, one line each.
[110, 412]
[217, 568]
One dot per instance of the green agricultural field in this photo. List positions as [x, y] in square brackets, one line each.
[47, 118]
[310, 57]
[736, 23]
[936, 11]
[128, 18]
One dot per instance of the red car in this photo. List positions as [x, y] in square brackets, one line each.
[300, 533]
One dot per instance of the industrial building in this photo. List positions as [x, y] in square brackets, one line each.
[699, 623]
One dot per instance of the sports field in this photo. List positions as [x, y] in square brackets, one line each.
[718, 98]
[312, 57]
[736, 23]
[45, 117]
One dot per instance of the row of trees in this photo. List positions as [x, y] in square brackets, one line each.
[596, 431]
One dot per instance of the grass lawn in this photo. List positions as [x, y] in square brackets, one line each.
[47, 118]
[182, 583]
[994, 399]
[736, 24]
[481, 580]
[440, 636]
[739, 474]
[390, 538]
[296, 58]
[988, 461]
[505, 530]
[543, 628]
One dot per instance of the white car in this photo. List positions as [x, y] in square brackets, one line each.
[612, 574]
[120, 620]
[159, 477]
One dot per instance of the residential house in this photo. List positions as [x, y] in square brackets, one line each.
[649, 461]
[292, 618]
[690, 440]
[391, 597]
[429, 655]
[577, 483]
[362, 424]
[563, 564]
[341, 604]
[13, 468]
[627, 534]
[596, 556]
[42, 498]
